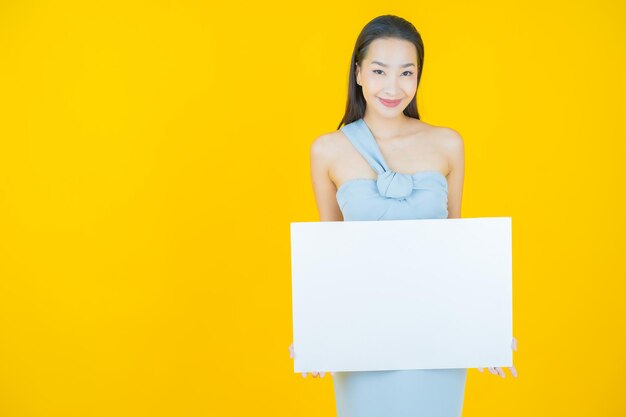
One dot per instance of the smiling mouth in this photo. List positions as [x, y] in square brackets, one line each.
[390, 102]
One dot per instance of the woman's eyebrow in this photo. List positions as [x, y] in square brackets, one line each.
[401, 66]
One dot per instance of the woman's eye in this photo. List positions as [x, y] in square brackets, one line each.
[409, 73]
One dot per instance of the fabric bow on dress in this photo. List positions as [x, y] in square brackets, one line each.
[394, 184]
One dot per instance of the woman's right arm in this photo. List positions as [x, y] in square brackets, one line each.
[324, 189]
[323, 153]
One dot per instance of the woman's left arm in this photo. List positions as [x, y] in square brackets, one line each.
[455, 152]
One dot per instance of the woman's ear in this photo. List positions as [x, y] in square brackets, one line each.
[357, 73]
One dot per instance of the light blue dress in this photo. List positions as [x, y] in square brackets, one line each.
[395, 196]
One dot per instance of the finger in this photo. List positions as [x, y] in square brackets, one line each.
[492, 370]
[303, 374]
[480, 369]
[514, 344]
[500, 372]
[513, 371]
[315, 374]
[291, 352]
[332, 374]
[322, 374]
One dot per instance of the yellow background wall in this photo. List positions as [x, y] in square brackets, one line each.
[153, 154]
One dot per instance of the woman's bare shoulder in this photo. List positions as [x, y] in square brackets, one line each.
[328, 146]
[446, 137]
[450, 142]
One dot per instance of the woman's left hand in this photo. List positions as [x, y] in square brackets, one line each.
[499, 371]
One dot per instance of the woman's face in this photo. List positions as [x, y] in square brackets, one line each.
[388, 75]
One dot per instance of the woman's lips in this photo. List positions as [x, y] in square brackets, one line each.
[389, 103]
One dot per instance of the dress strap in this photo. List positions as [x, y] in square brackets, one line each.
[390, 183]
[362, 139]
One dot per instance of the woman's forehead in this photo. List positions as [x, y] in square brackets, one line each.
[391, 52]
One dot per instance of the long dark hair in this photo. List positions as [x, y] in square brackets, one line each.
[386, 26]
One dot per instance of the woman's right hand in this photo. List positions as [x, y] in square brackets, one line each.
[315, 374]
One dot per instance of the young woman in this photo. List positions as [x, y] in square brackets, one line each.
[383, 164]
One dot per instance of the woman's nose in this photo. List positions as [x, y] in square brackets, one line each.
[391, 89]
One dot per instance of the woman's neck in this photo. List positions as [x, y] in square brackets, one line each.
[384, 128]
